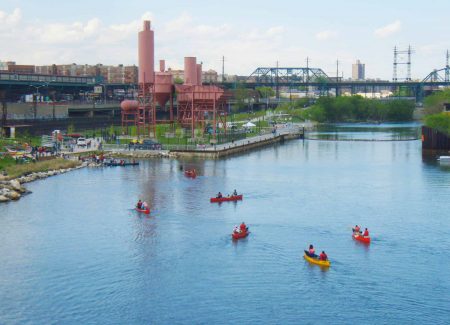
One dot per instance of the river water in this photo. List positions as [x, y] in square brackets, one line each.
[74, 252]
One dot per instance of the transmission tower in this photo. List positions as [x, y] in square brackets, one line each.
[402, 57]
[447, 68]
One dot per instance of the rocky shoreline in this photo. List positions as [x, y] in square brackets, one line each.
[13, 190]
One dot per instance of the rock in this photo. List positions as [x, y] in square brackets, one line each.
[13, 195]
[3, 198]
[3, 177]
[15, 184]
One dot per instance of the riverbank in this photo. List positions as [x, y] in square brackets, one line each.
[11, 188]
[211, 151]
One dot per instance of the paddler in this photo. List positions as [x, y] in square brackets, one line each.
[139, 204]
[312, 251]
[357, 229]
[366, 233]
[235, 193]
[243, 227]
[323, 256]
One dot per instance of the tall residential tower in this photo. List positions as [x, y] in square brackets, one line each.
[358, 71]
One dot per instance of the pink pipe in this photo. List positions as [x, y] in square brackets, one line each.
[146, 47]
[190, 71]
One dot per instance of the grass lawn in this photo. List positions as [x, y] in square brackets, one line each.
[14, 170]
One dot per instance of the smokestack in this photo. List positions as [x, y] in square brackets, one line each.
[190, 70]
[199, 74]
[146, 59]
[162, 65]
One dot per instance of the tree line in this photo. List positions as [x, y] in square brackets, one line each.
[360, 109]
[435, 118]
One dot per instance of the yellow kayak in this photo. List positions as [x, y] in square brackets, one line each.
[316, 261]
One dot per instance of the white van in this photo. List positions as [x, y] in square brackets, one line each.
[81, 142]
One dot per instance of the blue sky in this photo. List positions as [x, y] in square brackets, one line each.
[248, 33]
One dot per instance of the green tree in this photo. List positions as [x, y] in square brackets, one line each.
[242, 96]
[178, 81]
[265, 92]
[440, 122]
[111, 130]
[400, 110]
[434, 103]
[70, 128]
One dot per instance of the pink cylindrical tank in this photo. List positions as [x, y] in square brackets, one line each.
[199, 74]
[163, 87]
[162, 65]
[129, 105]
[190, 70]
[146, 54]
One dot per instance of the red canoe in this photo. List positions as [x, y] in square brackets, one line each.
[226, 198]
[361, 238]
[143, 211]
[190, 173]
[239, 235]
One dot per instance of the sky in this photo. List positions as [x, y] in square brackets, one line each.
[248, 33]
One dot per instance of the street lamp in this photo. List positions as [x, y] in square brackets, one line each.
[35, 99]
[104, 93]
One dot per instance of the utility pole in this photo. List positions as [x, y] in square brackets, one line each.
[277, 90]
[307, 77]
[223, 69]
[447, 68]
[337, 76]
[408, 64]
[394, 74]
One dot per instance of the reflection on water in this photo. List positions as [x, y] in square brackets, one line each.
[367, 132]
[75, 250]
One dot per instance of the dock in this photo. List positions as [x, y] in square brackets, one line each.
[212, 151]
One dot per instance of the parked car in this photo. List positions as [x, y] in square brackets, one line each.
[81, 142]
[146, 144]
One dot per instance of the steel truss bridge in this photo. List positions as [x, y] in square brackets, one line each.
[294, 77]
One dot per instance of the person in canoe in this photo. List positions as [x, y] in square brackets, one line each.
[312, 251]
[219, 195]
[236, 229]
[139, 204]
[366, 233]
[243, 227]
[144, 206]
[235, 193]
[357, 229]
[323, 256]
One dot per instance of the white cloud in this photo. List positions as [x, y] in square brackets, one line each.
[388, 30]
[9, 20]
[274, 31]
[179, 24]
[326, 35]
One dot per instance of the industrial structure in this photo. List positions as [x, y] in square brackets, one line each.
[197, 104]
[402, 57]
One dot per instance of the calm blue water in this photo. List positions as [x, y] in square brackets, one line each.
[74, 252]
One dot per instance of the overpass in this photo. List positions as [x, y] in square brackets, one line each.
[13, 85]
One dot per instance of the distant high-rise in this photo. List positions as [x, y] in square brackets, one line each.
[358, 71]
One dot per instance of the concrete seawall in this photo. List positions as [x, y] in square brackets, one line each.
[235, 148]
